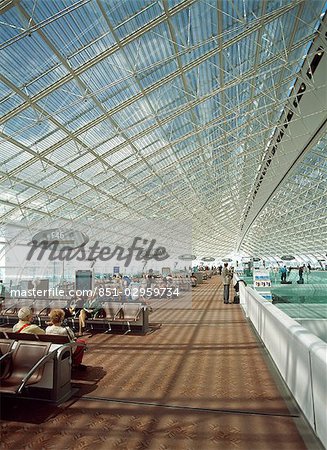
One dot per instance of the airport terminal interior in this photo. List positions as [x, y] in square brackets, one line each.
[163, 224]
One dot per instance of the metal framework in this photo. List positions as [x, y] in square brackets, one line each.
[133, 109]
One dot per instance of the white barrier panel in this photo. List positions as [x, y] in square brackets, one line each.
[318, 327]
[300, 356]
[319, 389]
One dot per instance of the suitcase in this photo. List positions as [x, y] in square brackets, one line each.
[236, 298]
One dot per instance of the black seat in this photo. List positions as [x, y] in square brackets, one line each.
[130, 313]
[27, 366]
[6, 345]
[22, 336]
[54, 338]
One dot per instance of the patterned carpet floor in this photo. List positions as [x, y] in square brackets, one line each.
[200, 381]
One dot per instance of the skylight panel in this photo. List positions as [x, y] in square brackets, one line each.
[49, 140]
[15, 162]
[34, 171]
[91, 172]
[79, 160]
[8, 150]
[110, 145]
[40, 61]
[88, 115]
[120, 155]
[9, 102]
[126, 16]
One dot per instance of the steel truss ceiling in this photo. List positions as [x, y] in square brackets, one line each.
[158, 109]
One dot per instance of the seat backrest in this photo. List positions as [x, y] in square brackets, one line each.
[54, 338]
[132, 310]
[112, 309]
[5, 345]
[22, 336]
[25, 356]
[22, 302]
[41, 307]
[9, 306]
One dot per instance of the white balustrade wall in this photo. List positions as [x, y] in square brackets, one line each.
[300, 356]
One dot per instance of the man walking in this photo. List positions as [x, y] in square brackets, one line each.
[283, 272]
[226, 282]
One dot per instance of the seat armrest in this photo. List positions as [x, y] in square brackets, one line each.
[36, 366]
[5, 365]
[13, 307]
[118, 312]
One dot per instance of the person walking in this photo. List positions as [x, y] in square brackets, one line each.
[226, 274]
[2, 290]
[283, 272]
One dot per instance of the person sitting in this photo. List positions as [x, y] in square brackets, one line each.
[91, 309]
[56, 318]
[194, 280]
[24, 325]
[73, 307]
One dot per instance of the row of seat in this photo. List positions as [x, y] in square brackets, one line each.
[131, 314]
[52, 338]
[40, 308]
[122, 313]
[35, 369]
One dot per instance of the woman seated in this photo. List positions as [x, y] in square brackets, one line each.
[92, 309]
[56, 318]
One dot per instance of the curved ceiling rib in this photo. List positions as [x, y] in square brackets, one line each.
[301, 126]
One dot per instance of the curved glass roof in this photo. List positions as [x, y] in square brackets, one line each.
[134, 109]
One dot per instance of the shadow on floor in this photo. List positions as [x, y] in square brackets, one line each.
[27, 410]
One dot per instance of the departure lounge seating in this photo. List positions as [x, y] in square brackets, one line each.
[41, 310]
[9, 310]
[118, 313]
[10, 307]
[27, 366]
[54, 338]
[6, 345]
[112, 311]
[131, 312]
[5, 357]
[34, 369]
[21, 336]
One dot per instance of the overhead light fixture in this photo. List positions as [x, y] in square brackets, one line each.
[187, 257]
[287, 257]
